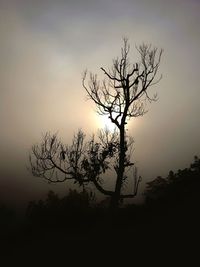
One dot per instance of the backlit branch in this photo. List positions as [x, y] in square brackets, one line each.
[82, 161]
[126, 85]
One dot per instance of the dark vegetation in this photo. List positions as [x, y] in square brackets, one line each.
[167, 223]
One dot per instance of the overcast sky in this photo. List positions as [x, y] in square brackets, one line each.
[46, 45]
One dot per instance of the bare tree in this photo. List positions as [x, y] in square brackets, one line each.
[120, 96]
[123, 95]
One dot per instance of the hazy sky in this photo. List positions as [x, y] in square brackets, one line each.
[44, 48]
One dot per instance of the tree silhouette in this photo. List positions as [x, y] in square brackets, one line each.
[122, 95]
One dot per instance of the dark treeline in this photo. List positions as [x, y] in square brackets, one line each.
[168, 219]
[176, 191]
[179, 187]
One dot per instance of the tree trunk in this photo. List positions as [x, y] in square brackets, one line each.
[120, 172]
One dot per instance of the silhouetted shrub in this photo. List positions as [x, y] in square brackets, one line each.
[68, 210]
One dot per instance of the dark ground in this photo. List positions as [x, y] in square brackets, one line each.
[165, 237]
[165, 231]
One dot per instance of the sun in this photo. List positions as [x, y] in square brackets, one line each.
[105, 122]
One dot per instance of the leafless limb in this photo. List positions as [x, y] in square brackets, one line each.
[82, 161]
[126, 86]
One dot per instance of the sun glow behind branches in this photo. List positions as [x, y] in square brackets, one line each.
[105, 122]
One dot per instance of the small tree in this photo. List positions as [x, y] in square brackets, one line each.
[120, 96]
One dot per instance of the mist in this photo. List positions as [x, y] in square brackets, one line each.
[45, 47]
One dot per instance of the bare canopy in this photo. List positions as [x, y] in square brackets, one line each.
[123, 95]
